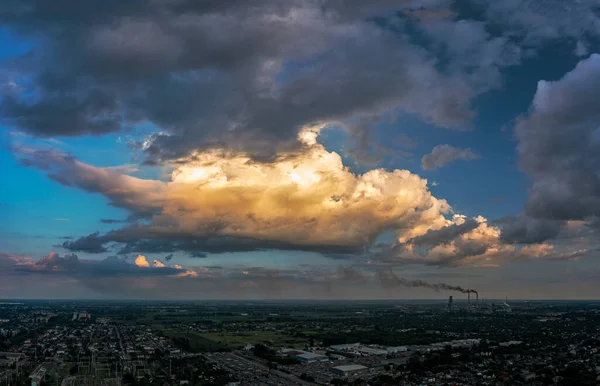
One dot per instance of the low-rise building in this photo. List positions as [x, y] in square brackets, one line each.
[371, 351]
[397, 349]
[348, 370]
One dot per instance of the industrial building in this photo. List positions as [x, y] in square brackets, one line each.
[357, 348]
[394, 350]
[344, 347]
[307, 356]
[371, 351]
[348, 370]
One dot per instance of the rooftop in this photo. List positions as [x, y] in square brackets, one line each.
[347, 368]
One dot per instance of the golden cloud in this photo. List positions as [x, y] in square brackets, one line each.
[141, 261]
[306, 200]
[303, 198]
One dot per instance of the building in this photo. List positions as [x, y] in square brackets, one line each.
[371, 351]
[347, 370]
[309, 357]
[8, 358]
[345, 347]
[38, 375]
[511, 343]
[306, 356]
[396, 362]
[394, 350]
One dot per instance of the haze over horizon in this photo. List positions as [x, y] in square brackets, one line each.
[305, 149]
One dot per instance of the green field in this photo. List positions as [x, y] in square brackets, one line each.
[241, 339]
[198, 343]
[216, 341]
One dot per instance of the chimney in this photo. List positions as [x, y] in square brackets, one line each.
[450, 304]
[468, 297]
[477, 297]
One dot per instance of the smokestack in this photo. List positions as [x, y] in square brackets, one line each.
[477, 297]
[469, 297]
[450, 304]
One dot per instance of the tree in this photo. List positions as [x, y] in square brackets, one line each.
[262, 351]
[129, 379]
[338, 382]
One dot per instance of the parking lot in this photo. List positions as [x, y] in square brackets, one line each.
[252, 373]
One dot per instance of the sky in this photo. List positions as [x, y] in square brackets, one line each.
[306, 149]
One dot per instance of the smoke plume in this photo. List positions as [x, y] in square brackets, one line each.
[389, 280]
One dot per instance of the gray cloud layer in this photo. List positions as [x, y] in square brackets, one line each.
[444, 235]
[525, 229]
[238, 75]
[559, 145]
[70, 265]
[91, 244]
[442, 155]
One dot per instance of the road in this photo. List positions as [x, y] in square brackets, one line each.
[289, 377]
[123, 351]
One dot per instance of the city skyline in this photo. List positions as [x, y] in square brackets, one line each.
[299, 150]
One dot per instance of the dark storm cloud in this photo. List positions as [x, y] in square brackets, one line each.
[91, 244]
[538, 22]
[526, 230]
[146, 239]
[111, 221]
[234, 74]
[559, 145]
[444, 235]
[63, 115]
[442, 155]
[70, 265]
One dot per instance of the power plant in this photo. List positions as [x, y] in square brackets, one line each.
[469, 292]
[389, 280]
[475, 304]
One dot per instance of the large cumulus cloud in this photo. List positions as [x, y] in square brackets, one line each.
[305, 200]
[220, 201]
